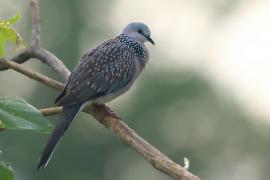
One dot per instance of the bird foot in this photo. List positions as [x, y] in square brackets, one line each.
[107, 110]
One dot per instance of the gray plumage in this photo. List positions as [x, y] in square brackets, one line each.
[104, 73]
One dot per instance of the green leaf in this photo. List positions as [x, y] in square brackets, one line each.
[2, 45]
[14, 19]
[6, 172]
[16, 113]
[7, 33]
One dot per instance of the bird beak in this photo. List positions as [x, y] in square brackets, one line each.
[150, 40]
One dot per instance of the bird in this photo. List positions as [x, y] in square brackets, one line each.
[102, 74]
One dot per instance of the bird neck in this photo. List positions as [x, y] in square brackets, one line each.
[138, 48]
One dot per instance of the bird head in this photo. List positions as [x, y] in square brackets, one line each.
[139, 32]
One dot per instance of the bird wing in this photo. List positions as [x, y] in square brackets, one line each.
[102, 71]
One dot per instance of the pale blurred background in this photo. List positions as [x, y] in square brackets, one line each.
[205, 94]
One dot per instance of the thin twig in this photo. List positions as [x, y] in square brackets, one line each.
[51, 111]
[32, 74]
[20, 58]
[44, 56]
[52, 61]
[35, 23]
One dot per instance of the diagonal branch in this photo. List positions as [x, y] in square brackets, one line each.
[44, 56]
[158, 160]
[32, 74]
[52, 61]
[19, 58]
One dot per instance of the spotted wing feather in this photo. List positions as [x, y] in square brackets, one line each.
[104, 70]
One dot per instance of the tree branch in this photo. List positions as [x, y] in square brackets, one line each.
[100, 112]
[32, 74]
[19, 58]
[51, 111]
[35, 23]
[129, 136]
[52, 61]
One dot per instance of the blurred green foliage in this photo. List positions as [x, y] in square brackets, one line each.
[17, 114]
[6, 172]
[7, 33]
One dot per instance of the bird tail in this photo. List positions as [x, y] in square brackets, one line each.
[66, 116]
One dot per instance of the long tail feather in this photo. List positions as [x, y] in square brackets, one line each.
[64, 120]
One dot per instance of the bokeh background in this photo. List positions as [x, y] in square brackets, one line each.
[205, 94]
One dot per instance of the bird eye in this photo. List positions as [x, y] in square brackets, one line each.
[140, 31]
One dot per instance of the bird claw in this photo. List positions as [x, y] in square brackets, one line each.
[107, 110]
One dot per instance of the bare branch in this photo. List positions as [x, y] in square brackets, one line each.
[51, 60]
[44, 56]
[35, 23]
[129, 136]
[20, 58]
[33, 75]
[51, 111]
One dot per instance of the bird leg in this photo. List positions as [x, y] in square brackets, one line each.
[106, 111]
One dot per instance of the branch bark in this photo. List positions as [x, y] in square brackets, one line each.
[19, 58]
[51, 111]
[100, 112]
[32, 74]
[52, 61]
[35, 23]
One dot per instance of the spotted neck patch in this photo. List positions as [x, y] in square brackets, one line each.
[133, 45]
